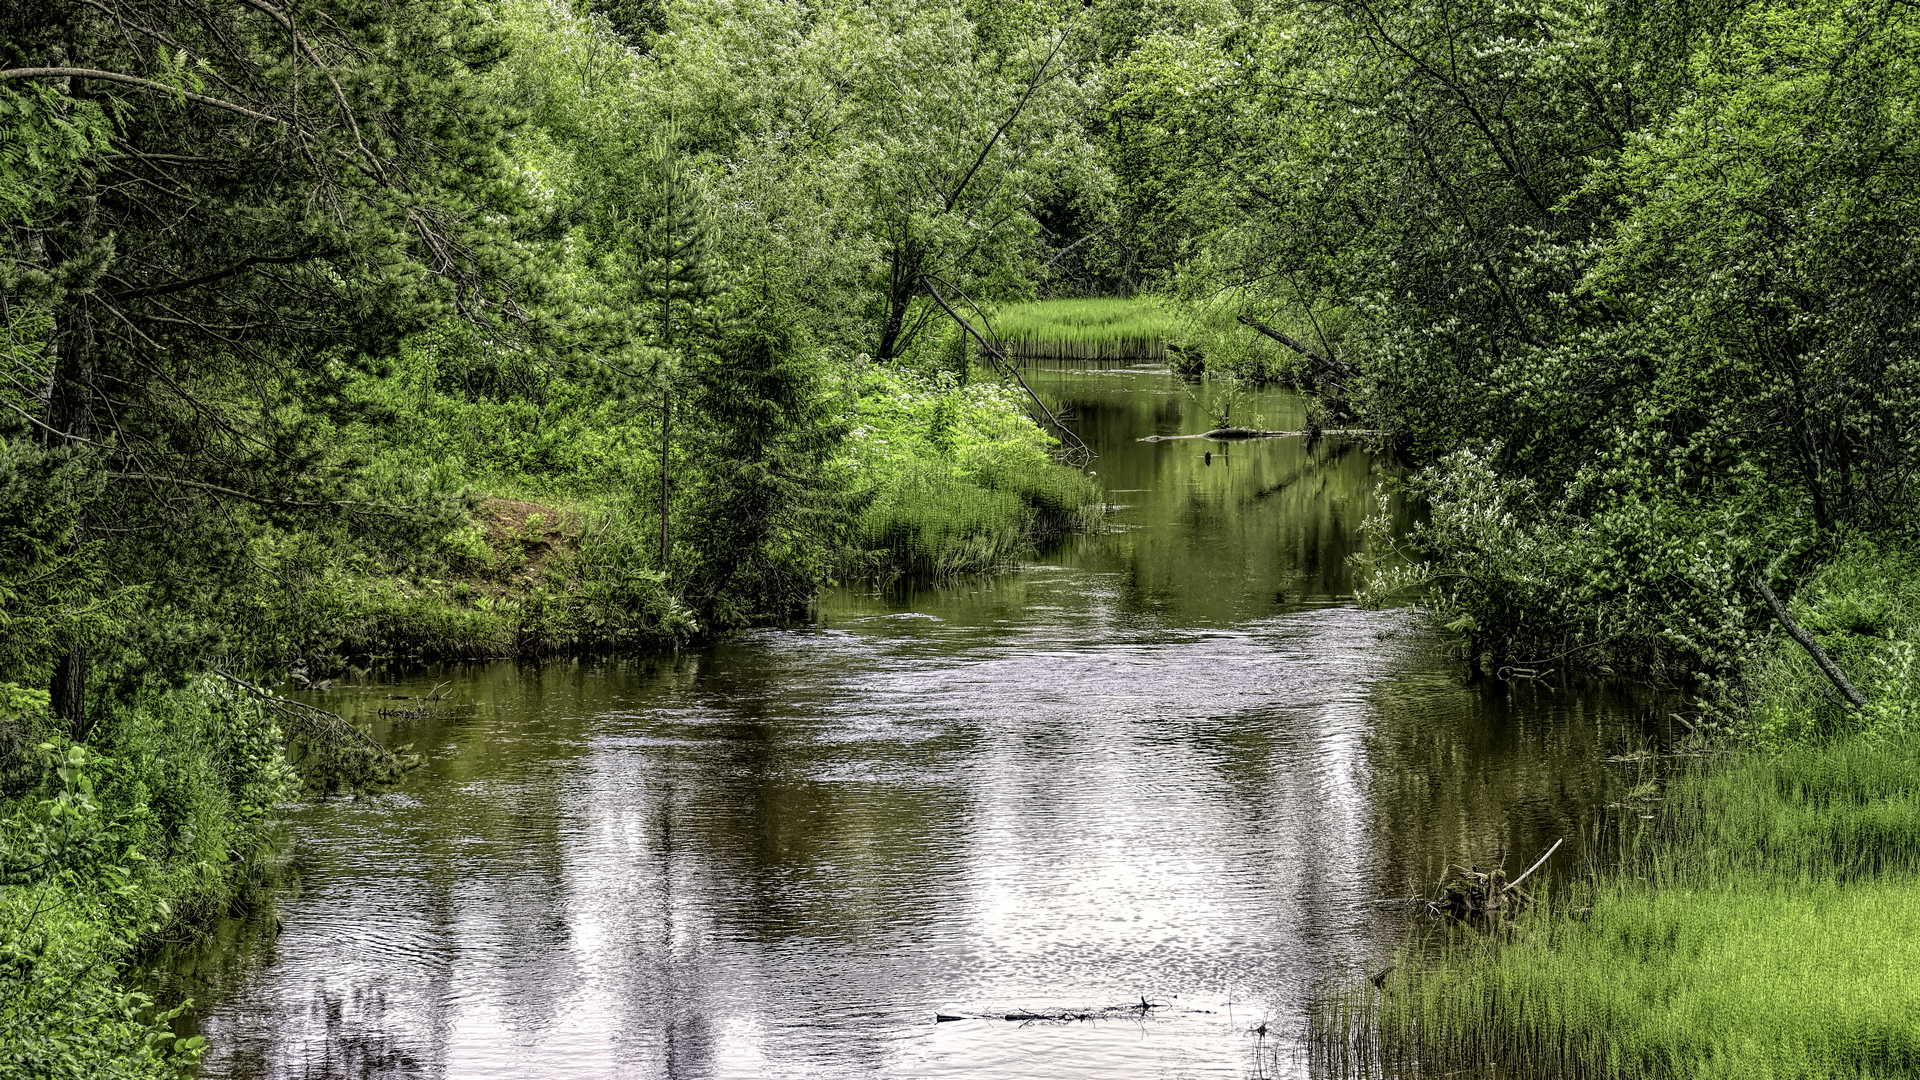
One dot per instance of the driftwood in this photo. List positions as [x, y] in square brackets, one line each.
[1485, 898]
[1839, 678]
[428, 703]
[1143, 1007]
[1241, 434]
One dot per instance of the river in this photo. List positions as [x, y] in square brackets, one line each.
[1162, 764]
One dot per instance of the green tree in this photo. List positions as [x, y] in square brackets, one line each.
[767, 513]
[281, 194]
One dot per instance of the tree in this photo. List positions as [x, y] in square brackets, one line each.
[860, 147]
[767, 513]
[277, 196]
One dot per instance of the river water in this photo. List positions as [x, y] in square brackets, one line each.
[1164, 763]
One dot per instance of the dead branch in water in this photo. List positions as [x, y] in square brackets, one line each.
[1135, 1009]
[1241, 434]
[1485, 898]
[334, 732]
[429, 702]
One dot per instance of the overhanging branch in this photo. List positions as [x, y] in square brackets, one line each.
[135, 80]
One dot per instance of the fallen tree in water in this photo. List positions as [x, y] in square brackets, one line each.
[1133, 1009]
[1241, 434]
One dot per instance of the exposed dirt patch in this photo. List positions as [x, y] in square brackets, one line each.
[524, 538]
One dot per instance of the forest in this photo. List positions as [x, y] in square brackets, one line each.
[347, 333]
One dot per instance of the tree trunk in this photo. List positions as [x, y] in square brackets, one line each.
[71, 409]
[666, 437]
[903, 284]
[70, 691]
[1832, 670]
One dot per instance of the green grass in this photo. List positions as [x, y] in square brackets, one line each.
[957, 478]
[1765, 924]
[1751, 978]
[1094, 329]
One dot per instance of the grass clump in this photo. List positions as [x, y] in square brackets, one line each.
[1102, 328]
[1766, 923]
[1754, 977]
[1191, 335]
[957, 478]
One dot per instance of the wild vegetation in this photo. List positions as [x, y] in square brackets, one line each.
[373, 331]
[1759, 919]
[369, 332]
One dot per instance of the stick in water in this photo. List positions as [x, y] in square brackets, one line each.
[1539, 864]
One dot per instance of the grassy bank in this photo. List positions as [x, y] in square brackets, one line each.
[1765, 922]
[957, 479]
[548, 536]
[1192, 336]
[156, 821]
[1100, 328]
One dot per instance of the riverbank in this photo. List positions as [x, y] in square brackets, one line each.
[934, 476]
[158, 822]
[528, 536]
[1760, 923]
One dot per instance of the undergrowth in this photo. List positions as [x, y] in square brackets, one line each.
[150, 825]
[957, 479]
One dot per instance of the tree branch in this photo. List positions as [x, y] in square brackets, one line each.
[134, 80]
[1034, 84]
[204, 279]
[1820, 657]
[260, 499]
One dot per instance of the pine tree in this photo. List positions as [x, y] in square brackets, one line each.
[768, 515]
[678, 286]
[274, 196]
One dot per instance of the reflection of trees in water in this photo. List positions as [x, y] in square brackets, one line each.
[1462, 772]
[355, 1046]
[1227, 523]
[757, 847]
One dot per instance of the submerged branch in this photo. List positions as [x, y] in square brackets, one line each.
[1241, 434]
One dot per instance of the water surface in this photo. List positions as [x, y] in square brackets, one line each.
[1162, 764]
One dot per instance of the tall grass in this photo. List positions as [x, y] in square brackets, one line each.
[1092, 329]
[958, 478]
[1765, 924]
[1750, 978]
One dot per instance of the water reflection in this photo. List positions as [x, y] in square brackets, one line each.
[1159, 764]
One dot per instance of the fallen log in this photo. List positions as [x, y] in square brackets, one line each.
[1832, 670]
[1240, 434]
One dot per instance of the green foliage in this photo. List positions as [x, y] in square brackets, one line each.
[52, 589]
[957, 478]
[767, 511]
[114, 841]
[1641, 276]
[1864, 609]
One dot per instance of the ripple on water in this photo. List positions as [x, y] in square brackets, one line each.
[1150, 770]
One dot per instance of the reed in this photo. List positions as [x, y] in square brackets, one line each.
[1750, 978]
[1091, 329]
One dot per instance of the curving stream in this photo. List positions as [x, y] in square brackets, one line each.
[1161, 762]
